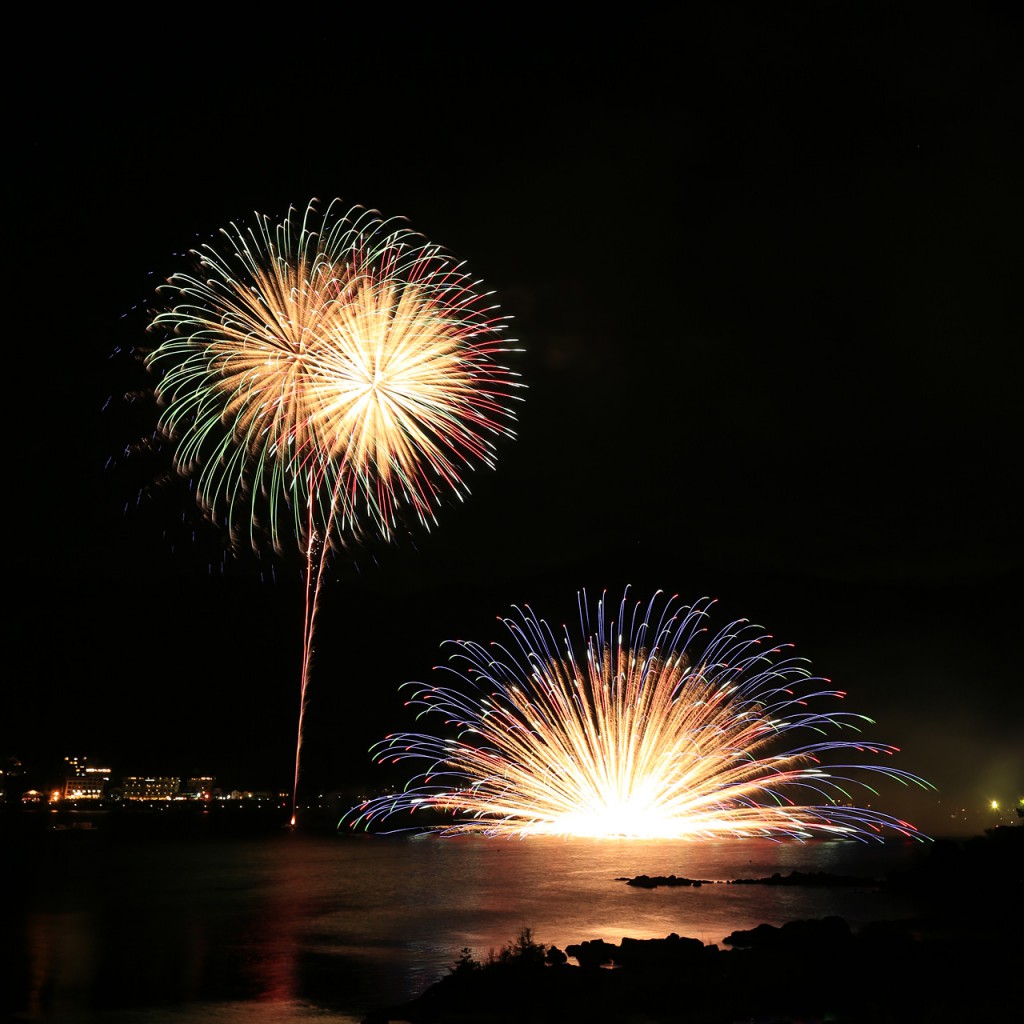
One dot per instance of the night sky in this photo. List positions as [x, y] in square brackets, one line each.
[764, 268]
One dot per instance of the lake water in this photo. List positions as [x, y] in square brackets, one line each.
[290, 927]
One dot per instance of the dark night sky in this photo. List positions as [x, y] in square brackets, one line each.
[764, 266]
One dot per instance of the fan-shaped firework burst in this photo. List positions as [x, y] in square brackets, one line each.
[323, 375]
[650, 728]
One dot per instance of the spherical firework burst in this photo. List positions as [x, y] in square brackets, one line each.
[323, 374]
[323, 377]
[648, 728]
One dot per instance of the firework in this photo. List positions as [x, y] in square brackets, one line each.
[325, 378]
[322, 374]
[650, 727]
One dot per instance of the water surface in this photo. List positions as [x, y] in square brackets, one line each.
[290, 927]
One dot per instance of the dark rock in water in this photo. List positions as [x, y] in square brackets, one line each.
[648, 882]
[811, 878]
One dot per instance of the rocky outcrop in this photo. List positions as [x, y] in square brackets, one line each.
[639, 953]
[811, 878]
[649, 882]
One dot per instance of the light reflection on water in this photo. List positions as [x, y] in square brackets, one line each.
[289, 927]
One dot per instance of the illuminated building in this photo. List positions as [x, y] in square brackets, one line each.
[199, 787]
[148, 787]
[84, 781]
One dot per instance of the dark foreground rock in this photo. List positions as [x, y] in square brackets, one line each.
[818, 971]
[958, 965]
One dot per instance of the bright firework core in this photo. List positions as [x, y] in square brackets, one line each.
[651, 728]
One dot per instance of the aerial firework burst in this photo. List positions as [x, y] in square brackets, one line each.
[650, 727]
[322, 374]
[323, 378]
